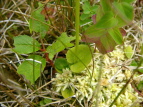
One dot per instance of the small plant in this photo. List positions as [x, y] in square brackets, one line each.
[95, 66]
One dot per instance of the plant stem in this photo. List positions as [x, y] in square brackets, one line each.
[77, 22]
[96, 93]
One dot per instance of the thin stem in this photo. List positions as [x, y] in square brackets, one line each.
[96, 93]
[77, 22]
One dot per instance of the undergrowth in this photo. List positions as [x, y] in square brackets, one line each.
[71, 53]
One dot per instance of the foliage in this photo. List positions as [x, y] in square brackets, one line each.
[79, 59]
[88, 12]
[32, 67]
[38, 23]
[45, 101]
[128, 51]
[100, 23]
[60, 64]
[61, 43]
[68, 92]
[110, 17]
[25, 44]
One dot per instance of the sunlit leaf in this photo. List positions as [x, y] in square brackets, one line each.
[25, 44]
[129, 51]
[124, 11]
[106, 5]
[32, 69]
[107, 21]
[68, 92]
[38, 24]
[116, 35]
[80, 58]
[61, 43]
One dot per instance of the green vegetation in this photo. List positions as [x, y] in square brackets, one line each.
[71, 53]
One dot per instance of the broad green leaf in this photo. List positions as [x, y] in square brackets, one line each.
[99, 13]
[68, 92]
[38, 24]
[124, 11]
[107, 21]
[25, 44]
[61, 43]
[32, 69]
[79, 59]
[60, 64]
[129, 51]
[106, 5]
[93, 31]
[116, 35]
[121, 22]
[107, 44]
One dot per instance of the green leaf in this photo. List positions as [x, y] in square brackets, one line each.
[45, 101]
[129, 51]
[68, 92]
[134, 63]
[27, 67]
[140, 70]
[116, 35]
[121, 22]
[94, 9]
[84, 16]
[107, 44]
[106, 5]
[25, 44]
[140, 86]
[79, 59]
[99, 13]
[107, 21]
[60, 64]
[61, 43]
[86, 7]
[38, 25]
[127, 1]
[124, 11]
[93, 31]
